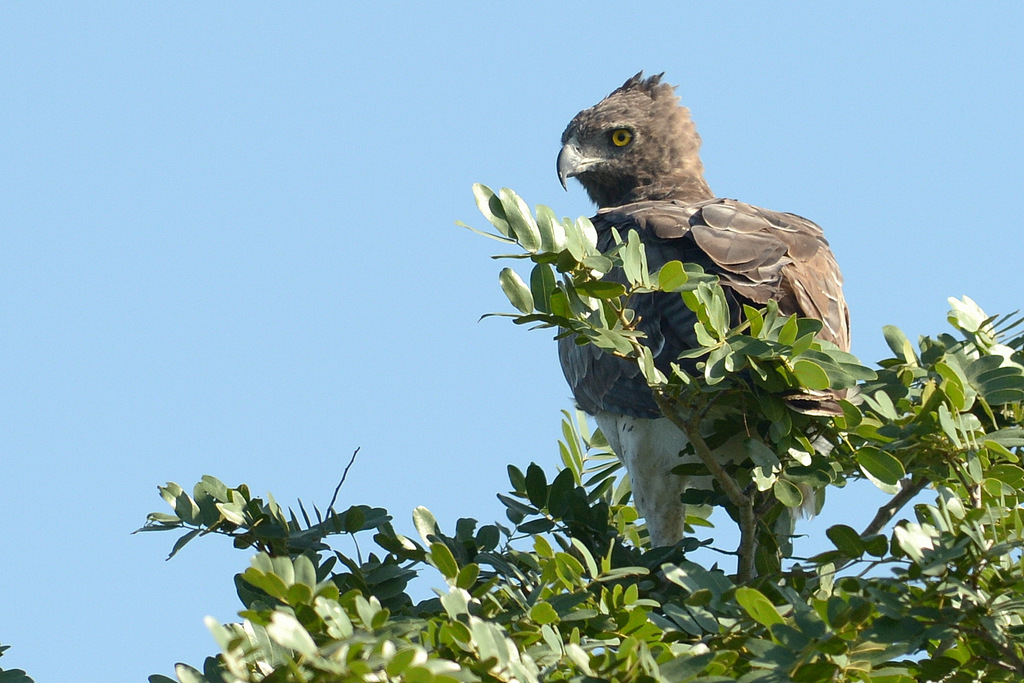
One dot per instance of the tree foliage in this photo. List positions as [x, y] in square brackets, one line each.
[565, 589]
[12, 675]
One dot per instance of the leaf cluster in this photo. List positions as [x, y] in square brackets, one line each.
[580, 600]
[13, 675]
[565, 588]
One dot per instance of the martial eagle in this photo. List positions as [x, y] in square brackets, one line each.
[637, 155]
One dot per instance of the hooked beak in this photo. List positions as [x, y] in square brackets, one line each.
[571, 162]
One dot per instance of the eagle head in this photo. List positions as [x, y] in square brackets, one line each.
[638, 143]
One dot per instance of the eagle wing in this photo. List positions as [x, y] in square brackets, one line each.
[758, 255]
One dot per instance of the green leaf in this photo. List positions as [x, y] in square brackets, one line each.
[810, 375]
[787, 335]
[758, 606]
[1006, 473]
[652, 374]
[949, 425]
[515, 289]
[232, 512]
[601, 289]
[543, 613]
[559, 304]
[442, 558]
[403, 659]
[612, 341]
[755, 319]
[467, 575]
[899, 344]
[686, 667]
[788, 493]
[552, 232]
[536, 485]
[490, 206]
[182, 540]
[916, 538]
[599, 263]
[520, 219]
[154, 678]
[560, 491]
[717, 367]
[672, 277]
[285, 630]
[882, 468]
[718, 308]
[846, 539]
[966, 315]
[881, 404]
[542, 286]
[760, 453]
[634, 260]
[184, 672]
[1009, 437]
[536, 526]
[589, 232]
[425, 524]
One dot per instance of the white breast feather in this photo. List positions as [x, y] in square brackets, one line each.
[649, 448]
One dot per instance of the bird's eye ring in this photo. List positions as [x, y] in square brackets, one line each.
[621, 137]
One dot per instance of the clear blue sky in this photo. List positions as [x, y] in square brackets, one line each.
[227, 247]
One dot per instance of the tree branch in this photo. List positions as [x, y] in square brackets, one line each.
[908, 489]
[743, 502]
[344, 476]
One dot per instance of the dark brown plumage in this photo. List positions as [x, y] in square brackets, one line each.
[637, 155]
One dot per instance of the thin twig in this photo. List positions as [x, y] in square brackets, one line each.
[344, 475]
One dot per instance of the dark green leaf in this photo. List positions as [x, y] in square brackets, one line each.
[685, 667]
[559, 491]
[880, 465]
[542, 286]
[536, 485]
[182, 540]
[536, 526]
[846, 539]
[815, 672]
[517, 506]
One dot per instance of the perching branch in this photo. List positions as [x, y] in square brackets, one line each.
[743, 502]
[908, 489]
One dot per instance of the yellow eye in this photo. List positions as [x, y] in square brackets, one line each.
[621, 137]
